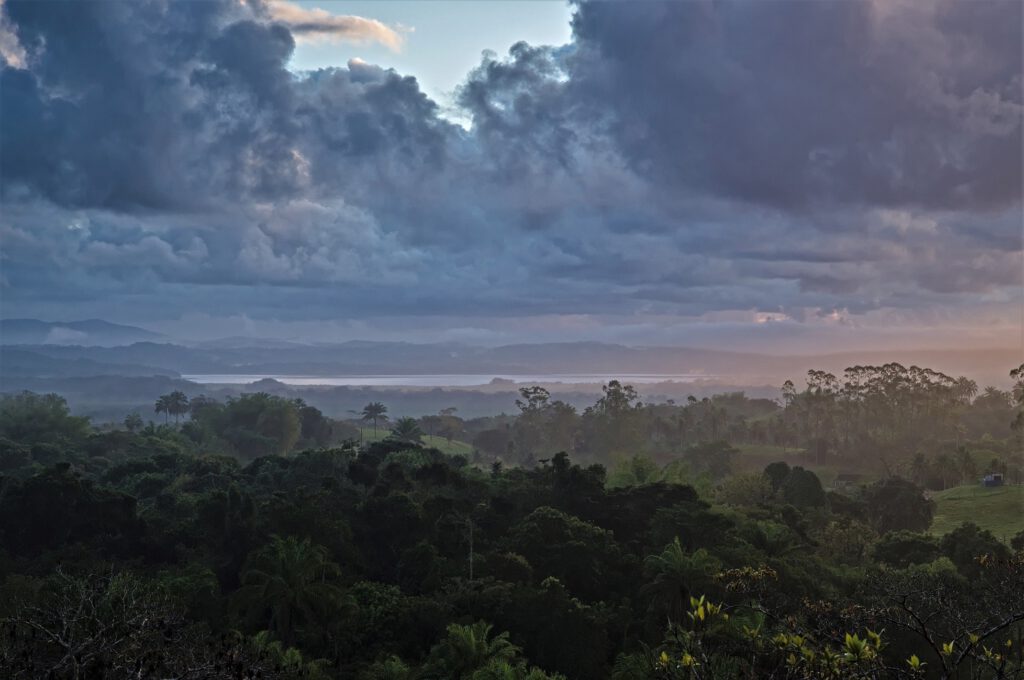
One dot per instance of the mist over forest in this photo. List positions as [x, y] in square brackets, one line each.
[548, 340]
[686, 526]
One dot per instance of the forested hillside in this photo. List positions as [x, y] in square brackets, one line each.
[261, 538]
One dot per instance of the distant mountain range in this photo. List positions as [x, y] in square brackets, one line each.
[22, 363]
[91, 332]
[244, 356]
[106, 370]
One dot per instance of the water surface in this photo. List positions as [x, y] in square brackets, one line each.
[441, 380]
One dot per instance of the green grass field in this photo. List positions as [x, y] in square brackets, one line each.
[999, 509]
[455, 447]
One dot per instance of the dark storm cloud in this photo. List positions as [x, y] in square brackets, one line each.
[183, 105]
[802, 103]
[675, 158]
[99, 117]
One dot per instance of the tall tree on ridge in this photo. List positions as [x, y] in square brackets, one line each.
[375, 411]
[162, 406]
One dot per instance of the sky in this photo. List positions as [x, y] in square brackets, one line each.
[784, 176]
[440, 41]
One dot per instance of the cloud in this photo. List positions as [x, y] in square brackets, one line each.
[753, 158]
[65, 336]
[319, 24]
[798, 105]
[11, 51]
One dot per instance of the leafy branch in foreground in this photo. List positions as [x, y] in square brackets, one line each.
[116, 625]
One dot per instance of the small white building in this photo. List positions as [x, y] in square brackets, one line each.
[993, 479]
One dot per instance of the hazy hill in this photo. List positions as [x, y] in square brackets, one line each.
[389, 358]
[110, 398]
[15, 362]
[88, 332]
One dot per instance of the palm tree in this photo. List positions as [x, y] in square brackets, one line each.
[162, 406]
[503, 670]
[964, 390]
[407, 430]
[466, 649]
[289, 582]
[288, 660]
[374, 411]
[392, 668]
[133, 422]
[177, 404]
[672, 573]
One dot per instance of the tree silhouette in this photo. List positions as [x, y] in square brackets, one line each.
[163, 406]
[177, 404]
[673, 574]
[967, 468]
[1018, 397]
[172, 404]
[290, 582]
[407, 430]
[117, 625]
[375, 411]
[133, 422]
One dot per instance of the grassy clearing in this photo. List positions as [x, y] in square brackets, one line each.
[998, 509]
[452, 448]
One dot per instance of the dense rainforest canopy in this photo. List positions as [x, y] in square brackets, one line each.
[261, 538]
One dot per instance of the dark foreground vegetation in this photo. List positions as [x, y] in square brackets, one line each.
[259, 538]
